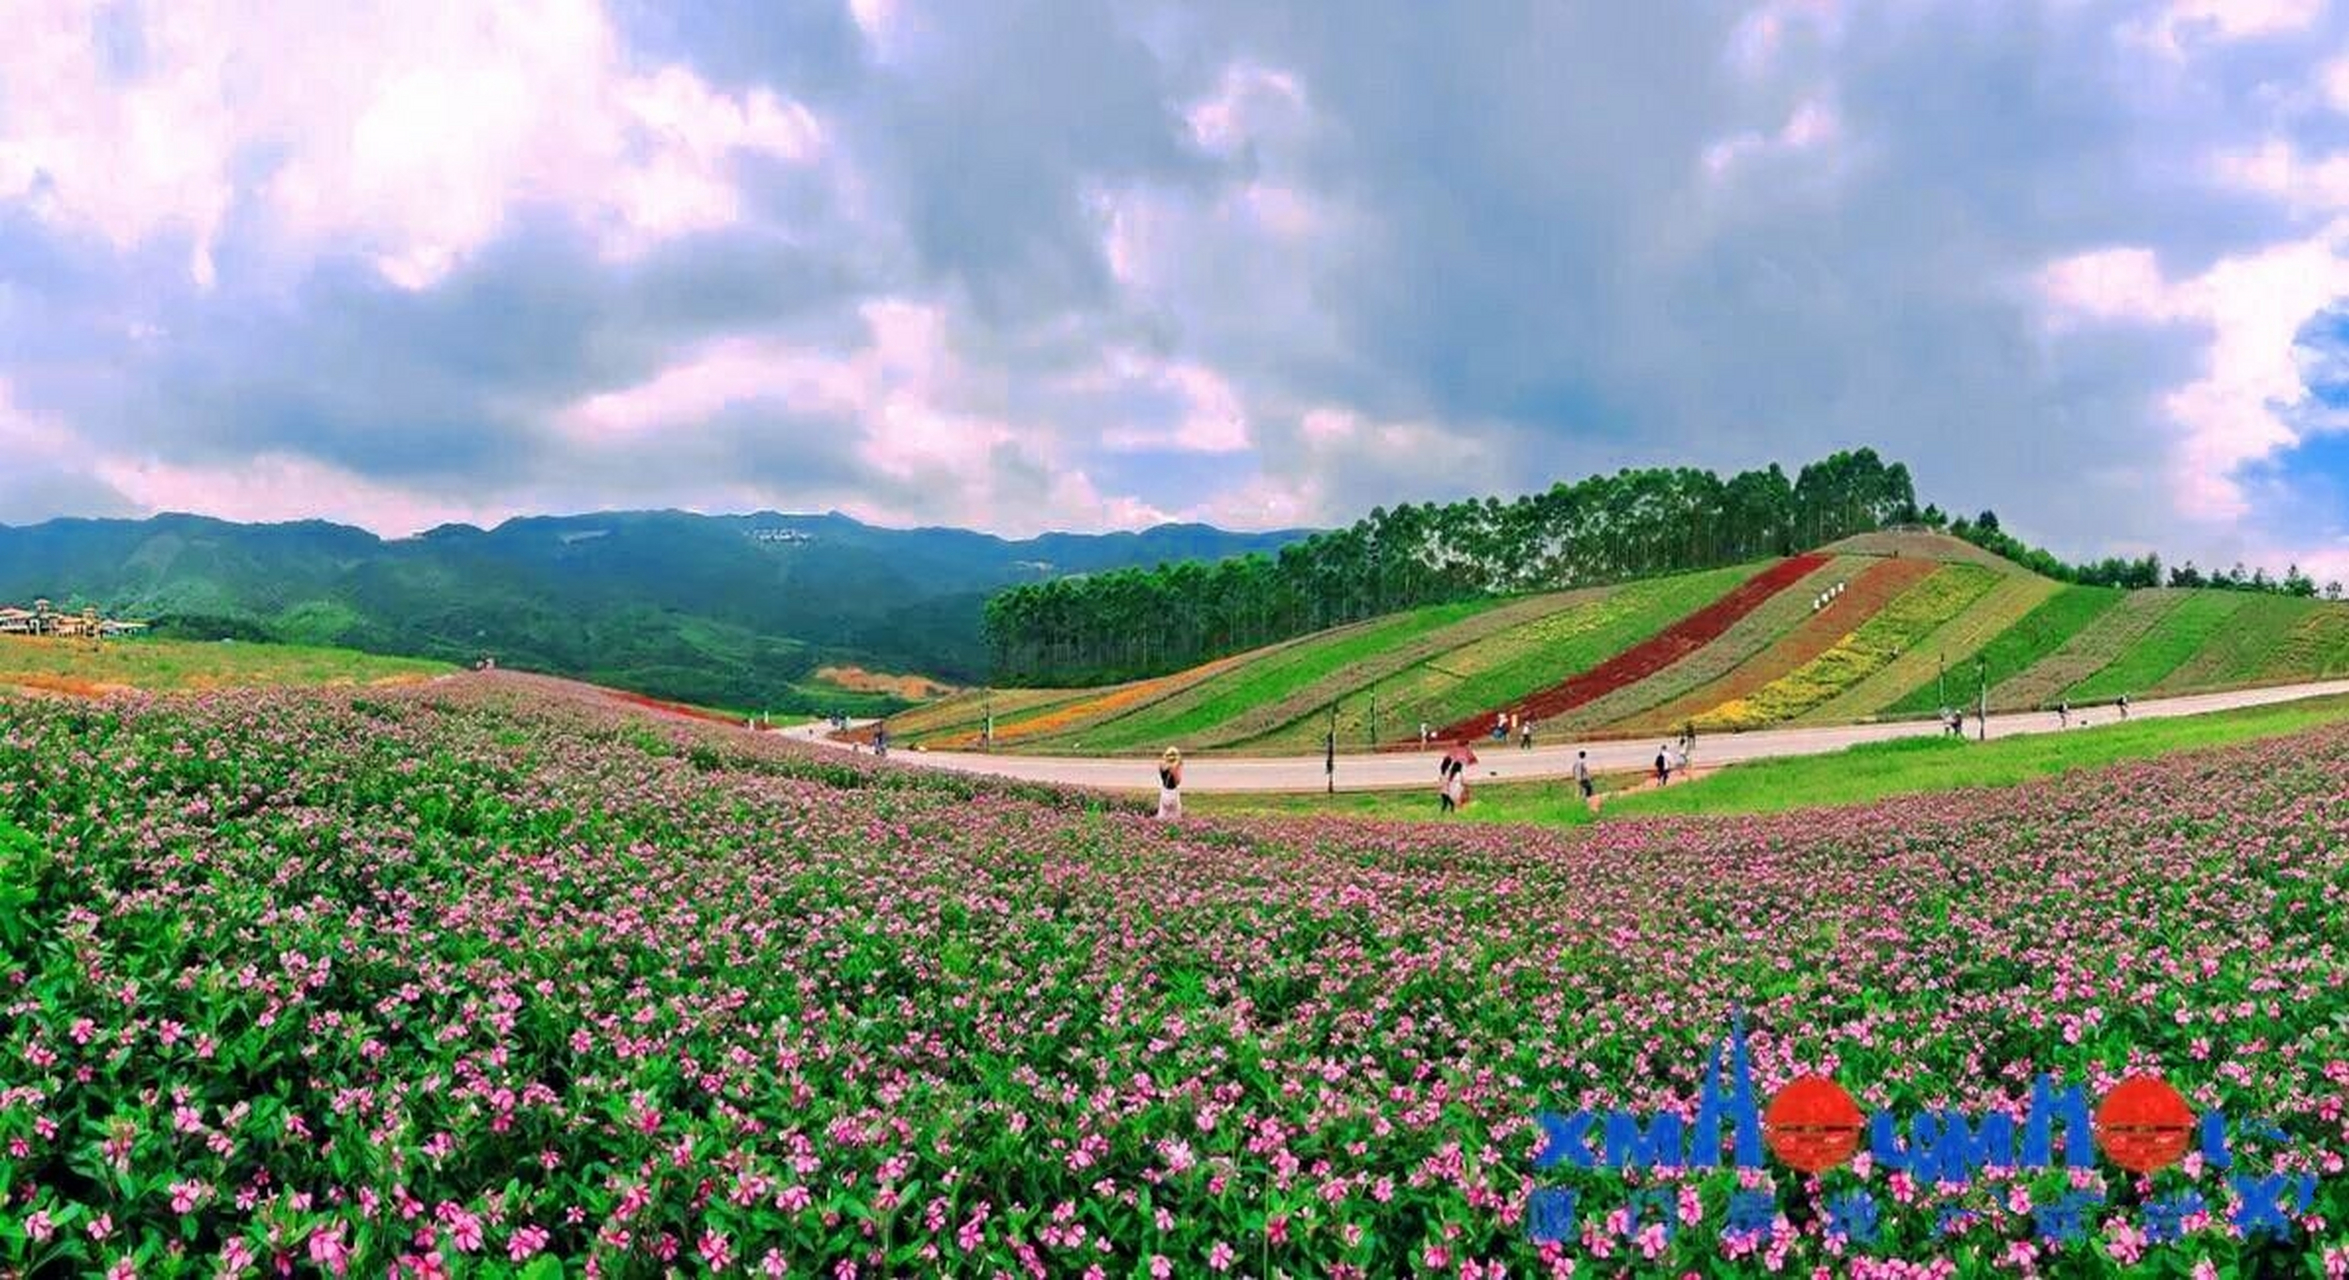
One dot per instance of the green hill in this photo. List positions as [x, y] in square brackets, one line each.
[734, 611]
[1883, 625]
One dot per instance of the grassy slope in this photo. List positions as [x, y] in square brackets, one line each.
[2179, 635]
[2241, 651]
[77, 666]
[1234, 693]
[1855, 776]
[2316, 649]
[2095, 647]
[1752, 634]
[1955, 644]
[1313, 701]
[1512, 664]
[1870, 647]
[2021, 646]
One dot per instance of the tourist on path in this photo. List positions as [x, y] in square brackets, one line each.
[2063, 714]
[1525, 735]
[1582, 772]
[1170, 785]
[1663, 766]
[2124, 706]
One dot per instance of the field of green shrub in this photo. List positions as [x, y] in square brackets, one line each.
[2020, 647]
[2090, 650]
[2181, 634]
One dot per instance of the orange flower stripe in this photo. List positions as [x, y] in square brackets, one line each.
[1122, 698]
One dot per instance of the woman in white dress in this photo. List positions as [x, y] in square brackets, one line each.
[1170, 785]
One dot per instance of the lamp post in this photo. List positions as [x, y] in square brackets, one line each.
[1329, 748]
[1941, 681]
[1982, 707]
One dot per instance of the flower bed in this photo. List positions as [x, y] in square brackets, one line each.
[1654, 654]
[425, 982]
[1874, 587]
[1867, 649]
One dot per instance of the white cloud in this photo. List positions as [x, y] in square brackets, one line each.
[2240, 409]
[1812, 126]
[27, 438]
[407, 131]
[919, 415]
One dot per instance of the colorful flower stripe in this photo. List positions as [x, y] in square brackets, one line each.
[1865, 650]
[1752, 635]
[1873, 587]
[1951, 648]
[1654, 654]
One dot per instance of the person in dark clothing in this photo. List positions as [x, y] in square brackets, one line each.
[1663, 767]
[1582, 772]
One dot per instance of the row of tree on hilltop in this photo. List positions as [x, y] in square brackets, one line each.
[1133, 623]
[2144, 571]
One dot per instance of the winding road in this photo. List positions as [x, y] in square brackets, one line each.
[1504, 763]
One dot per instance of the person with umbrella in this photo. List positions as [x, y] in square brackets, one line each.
[1452, 775]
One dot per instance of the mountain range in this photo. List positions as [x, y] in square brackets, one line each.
[729, 610]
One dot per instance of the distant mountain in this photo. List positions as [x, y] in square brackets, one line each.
[732, 610]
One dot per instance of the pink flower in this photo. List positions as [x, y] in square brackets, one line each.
[101, 1226]
[1160, 1267]
[1220, 1257]
[525, 1243]
[328, 1251]
[39, 1227]
[716, 1251]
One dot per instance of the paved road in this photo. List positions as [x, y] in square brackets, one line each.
[1412, 769]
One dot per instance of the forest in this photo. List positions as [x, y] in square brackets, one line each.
[1134, 623]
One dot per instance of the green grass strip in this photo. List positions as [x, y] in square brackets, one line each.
[2114, 633]
[2317, 649]
[2179, 635]
[1234, 693]
[1860, 775]
[2020, 647]
[2242, 649]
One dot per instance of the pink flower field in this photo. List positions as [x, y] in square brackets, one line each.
[473, 980]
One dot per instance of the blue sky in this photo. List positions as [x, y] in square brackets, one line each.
[1093, 265]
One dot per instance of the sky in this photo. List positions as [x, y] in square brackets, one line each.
[1026, 266]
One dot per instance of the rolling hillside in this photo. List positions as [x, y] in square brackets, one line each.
[1883, 625]
[734, 611]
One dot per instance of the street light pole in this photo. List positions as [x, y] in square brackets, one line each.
[1329, 747]
[1982, 707]
[1941, 681]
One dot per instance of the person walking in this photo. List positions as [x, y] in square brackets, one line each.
[881, 738]
[1582, 773]
[1423, 735]
[1525, 735]
[2063, 714]
[1447, 770]
[1170, 786]
[1663, 765]
[2124, 706]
